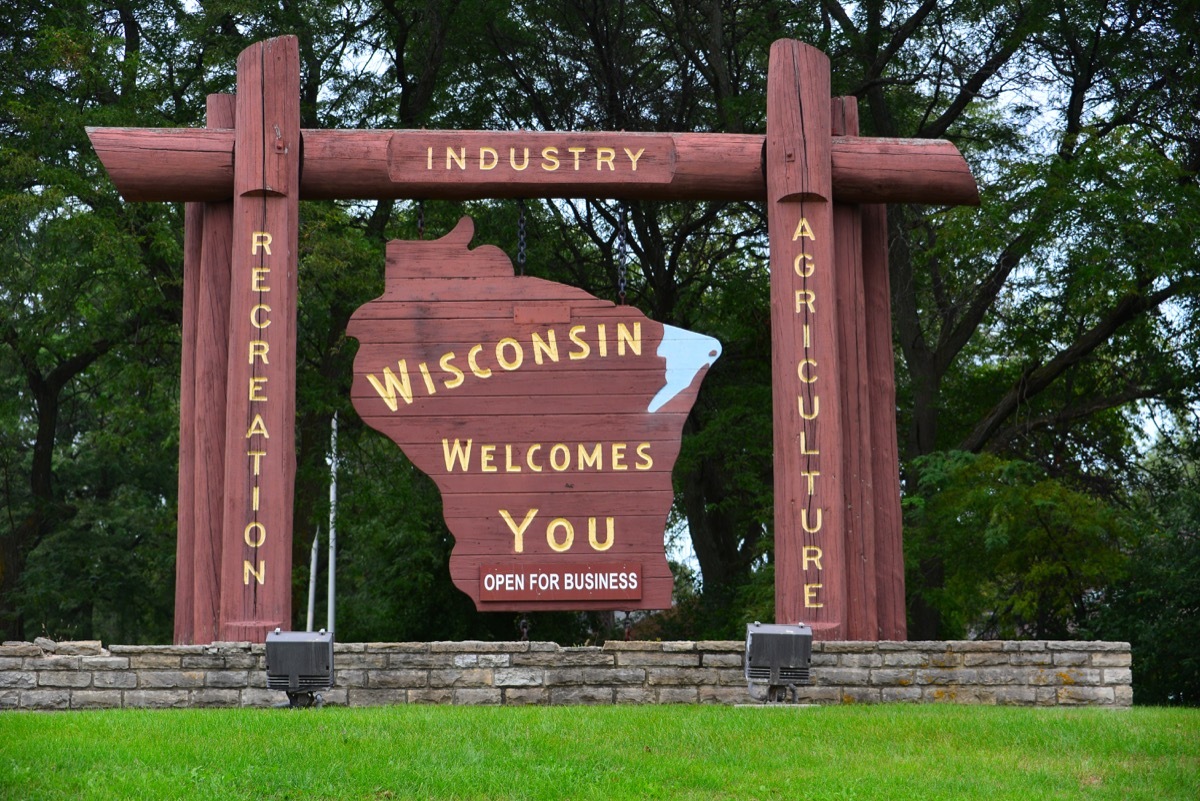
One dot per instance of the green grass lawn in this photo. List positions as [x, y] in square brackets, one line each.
[887, 752]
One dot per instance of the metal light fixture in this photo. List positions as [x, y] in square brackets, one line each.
[777, 660]
[300, 663]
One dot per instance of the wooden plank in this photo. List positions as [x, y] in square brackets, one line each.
[193, 221]
[809, 511]
[862, 619]
[575, 452]
[889, 548]
[260, 420]
[185, 164]
[212, 368]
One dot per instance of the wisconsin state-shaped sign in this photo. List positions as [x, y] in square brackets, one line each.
[549, 419]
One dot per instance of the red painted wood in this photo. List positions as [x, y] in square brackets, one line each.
[212, 368]
[193, 220]
[862, 613]
[191, 164]
[889, 549]
[256, 553]
[532, 460]
[810, 567]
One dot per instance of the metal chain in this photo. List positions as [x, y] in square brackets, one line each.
[520, 237]
[420, 219]
[622, 257]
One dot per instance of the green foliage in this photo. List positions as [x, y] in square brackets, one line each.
[1022, 555]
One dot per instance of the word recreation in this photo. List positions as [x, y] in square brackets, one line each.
[258, 357]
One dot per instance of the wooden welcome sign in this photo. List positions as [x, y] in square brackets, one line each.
[485, 379]
[549, 419]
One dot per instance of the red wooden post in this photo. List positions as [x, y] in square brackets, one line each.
[810, 579]
[193, 221]
[862, 610]
[889, 549]
[212, 368]
[260, 458]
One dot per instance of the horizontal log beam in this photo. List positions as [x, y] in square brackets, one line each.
[192, 164]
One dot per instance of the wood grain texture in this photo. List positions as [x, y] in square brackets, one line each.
[528, 403]
[862, 613]
[885, 457]
[810, 566]
[174, 164]
[256, 556]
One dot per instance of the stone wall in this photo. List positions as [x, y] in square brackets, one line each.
[86, 675]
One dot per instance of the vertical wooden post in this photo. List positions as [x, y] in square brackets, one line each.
[260, 457]
[889, 548]
[212, 368]
[862, 621]
[810, 571]
[193, 232]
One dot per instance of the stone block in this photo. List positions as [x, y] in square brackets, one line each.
[431, 695]
[959, 695]
[860, 660]
[393, 679]
[167, 679]
[1072, 696]
[899, 695]
[731, 676]
[11, 648]
[64, 678]
[216, 697]
[989, 676]
[350, 678]
[9, 699]
[1028, 658]
[1016, 696]
[156, 699]
[723, 660]
[240, 661]
[658, 676]
[57, 698]
[852, 677]
[581, 695]
[394, 647]
[724, 695]
[227, 679]
[519, 677]
[633, 695]
[818, 695]
[946, 677]
[18, 680]
[476, 696]
[633, 645]
[946, 659]
[478, 677]
[54, 663]
[421, 661]
[80, 648]
[905, 659]
[1112, 659]
[976, 646]
[985, 659]
[1123, 696]
[11, 662]
[203, 662]
[105, 663]
[894, 677]
[478, 647]
[587, 675]
[730, 646]
[361, 661]
[1071, 658]
[823, 660]
[861, 695]
[678, 646]
[849, 647]
[335, 697]
[260, 697]
[634, 658]
[526, 696]
[677, 695]
[1117, 676]
[114, 680]
[588, 657]
[152, 661]
[381, 697]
